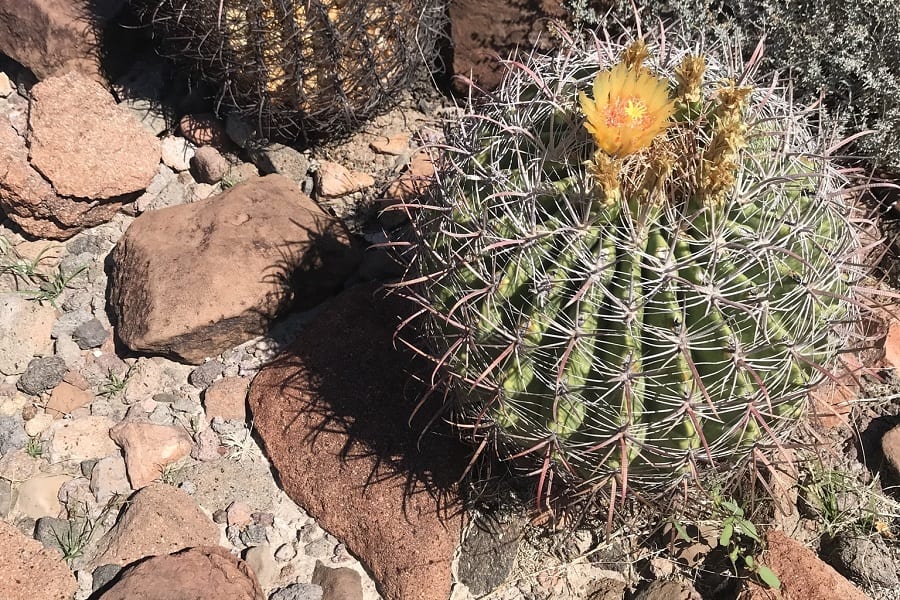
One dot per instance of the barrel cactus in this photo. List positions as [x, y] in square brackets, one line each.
[632, 266]
[299, 69]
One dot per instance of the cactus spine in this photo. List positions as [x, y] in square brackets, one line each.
[632, 267]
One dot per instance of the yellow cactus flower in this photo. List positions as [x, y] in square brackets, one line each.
[630, 108]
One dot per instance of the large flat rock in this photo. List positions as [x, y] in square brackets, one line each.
[334, 417]
[194, 280]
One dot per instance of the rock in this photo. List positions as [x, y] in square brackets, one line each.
[30, 201]
[12, 433]
[802, 574]
[24, 332]
[80, 439]
[281, 159]
[103, 574]
[42, 374]
[394, 144]
[145, 378]
[204, 129]
[28, 571]
[866, 559]
[205, 374]
[6, 498]
[39, 497]
[37, 425]
[667, 590]
[51, 37]
[238, 514]
[19, 466]
[892, 345]
[239, 173]
[49, 531]
[176, 153]
[84, 144]
[219, 483]
[174, 287]
[158, 519]
[365, 474]
[284, 553]
[208, 165]
[203, 573]
[65, 398]
[67, 322]
[149, 448]
[299, 591]
[227, 399]
[488, 552]
[411, 184]
[890, 446]
[208, 446]
[148, 113]
[109, 478]
[6, 86]
[483, 33]
[261, 560]
[337, 584]
[90, 334]
[334, 180]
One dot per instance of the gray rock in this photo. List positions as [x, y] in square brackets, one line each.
[285, 552]
[85, 244]
[284, 160]
[103, 575]
[162, 415]
[208, 165]
[6, 497]
[87, 466]
[90, 334]
[68, 322]
[166, 398]
[205, 374]
[12, 433]
[150, 116]
[320, 548]
[42, 374]
[868, 560]
[55, 533]
[299, 591]
[338, 584]
[253, 535]
[488, 551]
[187, 405]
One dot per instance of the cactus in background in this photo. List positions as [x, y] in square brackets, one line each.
[299, 69]
[632, 265]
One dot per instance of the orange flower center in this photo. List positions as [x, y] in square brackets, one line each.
[627, 112]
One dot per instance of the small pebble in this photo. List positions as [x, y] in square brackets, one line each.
[285, 552]
[42, 374]
[103, 575]
[90, 334]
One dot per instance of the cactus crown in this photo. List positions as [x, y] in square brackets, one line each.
[632, 266]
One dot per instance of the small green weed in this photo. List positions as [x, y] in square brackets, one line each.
[114, 385]
[52, 286]
[34, 448]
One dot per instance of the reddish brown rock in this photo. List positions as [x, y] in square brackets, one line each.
[65, 398]
[52, 37]
[158, 519]
[204, 129]
[86, 145]
[28, 571]
[803, 575]
[204, 573]
[890, 446]
[149, 448]
[485, 32]
[195, 280]
[227, 398]
[30, 201]
[334, 418]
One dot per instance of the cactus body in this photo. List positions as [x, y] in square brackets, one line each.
[299, 69]
[636, 317]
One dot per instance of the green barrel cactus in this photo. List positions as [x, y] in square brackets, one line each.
[299, 69]
[632, 266]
